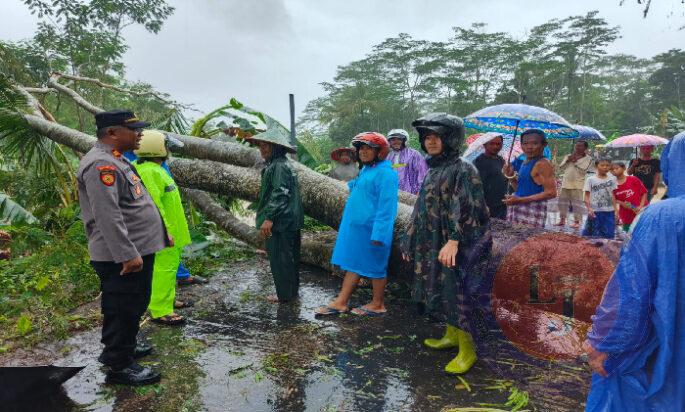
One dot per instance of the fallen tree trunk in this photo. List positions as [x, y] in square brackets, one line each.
[321, 200]
[316, 248]
[242, 155]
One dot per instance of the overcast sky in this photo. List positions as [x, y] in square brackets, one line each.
[260, 50]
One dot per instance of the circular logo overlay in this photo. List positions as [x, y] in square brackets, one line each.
[545, 290]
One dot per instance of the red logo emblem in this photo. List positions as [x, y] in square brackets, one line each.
[545, 291]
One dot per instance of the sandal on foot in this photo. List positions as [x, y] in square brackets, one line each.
[362, 311]
[330, 311]
[170, 320]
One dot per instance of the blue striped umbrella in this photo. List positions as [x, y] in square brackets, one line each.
[512, 118]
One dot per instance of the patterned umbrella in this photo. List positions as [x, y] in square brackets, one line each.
[637, 140]
[476, 146]
[512, 118]
[589, 133]
[472, 138]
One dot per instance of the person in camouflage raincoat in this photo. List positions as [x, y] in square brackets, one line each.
[446, 234]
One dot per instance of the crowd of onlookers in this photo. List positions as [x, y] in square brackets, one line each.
[599, 194]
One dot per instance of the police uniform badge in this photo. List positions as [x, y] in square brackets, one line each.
[107, 175]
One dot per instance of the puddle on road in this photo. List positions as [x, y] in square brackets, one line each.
[241, 353]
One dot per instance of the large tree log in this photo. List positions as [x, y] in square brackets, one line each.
[316, 249]
[322, 197]
[242, 155]
[321, 200]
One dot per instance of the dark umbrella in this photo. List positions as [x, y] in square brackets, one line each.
[24, 382]
[589, 133]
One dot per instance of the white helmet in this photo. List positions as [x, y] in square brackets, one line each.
[398, 134]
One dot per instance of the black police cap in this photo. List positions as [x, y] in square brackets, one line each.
[124, 118]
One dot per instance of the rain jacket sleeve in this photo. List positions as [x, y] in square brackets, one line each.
[421, 167]
[280, 178]
[621, 322]
[384, 219]
[639, 321]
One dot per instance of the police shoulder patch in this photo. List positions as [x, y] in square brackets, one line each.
[107, 177]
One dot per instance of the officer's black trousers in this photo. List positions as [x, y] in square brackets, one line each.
[124, 301]
[283, 249]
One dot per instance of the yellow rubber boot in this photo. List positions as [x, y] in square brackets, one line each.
[466, 356]
[450, 340]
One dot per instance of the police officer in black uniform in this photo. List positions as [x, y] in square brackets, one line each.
[124, 230]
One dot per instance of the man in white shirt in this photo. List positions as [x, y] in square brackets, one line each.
[575, 167]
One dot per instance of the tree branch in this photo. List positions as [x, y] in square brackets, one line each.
[98, 82]
[89, 107]
[315, 251]
[40, 90]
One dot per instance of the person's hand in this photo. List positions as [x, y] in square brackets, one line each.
[171, 240]
[405, 257]
[595, 359]
[591, 213]
[376, 243]
[131, 266]
[511, 200]
[655, 190]
[448, 254]
[266, 229]
[508, 169]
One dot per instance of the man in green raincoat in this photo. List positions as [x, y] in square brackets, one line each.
[279, 211]
[164, 192]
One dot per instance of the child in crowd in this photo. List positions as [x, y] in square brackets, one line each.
[631, 195]
[600, 202]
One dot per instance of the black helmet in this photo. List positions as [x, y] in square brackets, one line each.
[450, 128]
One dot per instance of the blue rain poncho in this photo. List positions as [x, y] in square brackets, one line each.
[369, 216]
[640, 322]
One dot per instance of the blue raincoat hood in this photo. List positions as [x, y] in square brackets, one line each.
[673, 165]
[639, 322]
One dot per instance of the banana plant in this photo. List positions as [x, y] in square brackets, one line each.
[246, 119]
[12, 213]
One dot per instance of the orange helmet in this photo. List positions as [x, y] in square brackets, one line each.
[373, 139]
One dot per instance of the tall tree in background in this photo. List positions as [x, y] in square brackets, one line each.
[562, 65]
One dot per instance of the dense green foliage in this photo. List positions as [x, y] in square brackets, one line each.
[562, 65]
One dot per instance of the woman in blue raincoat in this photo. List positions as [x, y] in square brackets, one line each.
[366, 230]
[636, 347]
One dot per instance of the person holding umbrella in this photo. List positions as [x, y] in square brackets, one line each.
[490, 165]
[534, 182]
[647, 169]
